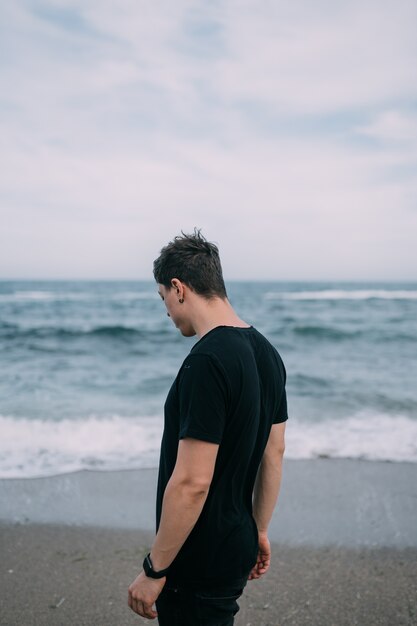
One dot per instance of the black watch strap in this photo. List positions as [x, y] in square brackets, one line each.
[149, 570]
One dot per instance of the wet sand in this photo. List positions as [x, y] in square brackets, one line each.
[79, 576]
[345, 547]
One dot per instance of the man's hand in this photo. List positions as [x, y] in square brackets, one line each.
[142, 594]
[264, 557]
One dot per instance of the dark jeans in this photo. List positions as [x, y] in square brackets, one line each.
[178, 606]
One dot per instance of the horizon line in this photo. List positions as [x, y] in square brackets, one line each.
[242, 280]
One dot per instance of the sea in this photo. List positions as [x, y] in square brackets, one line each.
[85, 367]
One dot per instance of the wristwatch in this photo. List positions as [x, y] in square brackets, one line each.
[149, 570]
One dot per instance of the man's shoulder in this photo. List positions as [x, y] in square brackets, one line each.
[231, 345]
[220, 341]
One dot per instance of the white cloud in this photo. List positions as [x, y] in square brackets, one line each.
[322, 57]
[287, 131]
[393, 126]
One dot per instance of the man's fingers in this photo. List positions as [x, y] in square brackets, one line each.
[262, 565]
[149, 612]
[258, 571]
[134, 604]
[142, 609]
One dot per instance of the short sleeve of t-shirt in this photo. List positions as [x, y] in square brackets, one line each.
[282, 413]
[203, 392]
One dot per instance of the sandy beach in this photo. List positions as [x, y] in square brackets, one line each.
[345, 547]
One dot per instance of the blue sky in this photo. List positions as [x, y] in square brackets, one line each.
[287, 131]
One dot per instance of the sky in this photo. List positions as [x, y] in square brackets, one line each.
[287, 131]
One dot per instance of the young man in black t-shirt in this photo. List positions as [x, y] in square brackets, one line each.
[221, 452]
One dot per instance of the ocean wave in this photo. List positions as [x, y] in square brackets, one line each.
[365, 435]
[325, 332]
[63, 296]
[115, 331]
[43, 295]
[302, 381]
[12, 331]
[33, 447]
[344, 294]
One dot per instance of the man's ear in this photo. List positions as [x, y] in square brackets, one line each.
[176, 284]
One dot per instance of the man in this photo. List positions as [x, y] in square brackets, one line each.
[221, 452]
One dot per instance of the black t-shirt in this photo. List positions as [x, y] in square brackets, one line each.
[229, 390]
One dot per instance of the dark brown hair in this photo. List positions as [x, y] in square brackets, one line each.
[194, 261]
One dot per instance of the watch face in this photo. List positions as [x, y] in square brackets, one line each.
[148, 562]
[147, 566]
[149, 570]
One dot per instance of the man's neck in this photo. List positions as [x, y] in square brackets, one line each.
[210, 314]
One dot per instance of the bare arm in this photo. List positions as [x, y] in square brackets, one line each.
[184, 498]
[265, 494]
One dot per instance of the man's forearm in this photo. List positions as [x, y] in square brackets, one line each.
[181, 508]
[267, 485]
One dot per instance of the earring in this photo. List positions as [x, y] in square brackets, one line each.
[181, 300]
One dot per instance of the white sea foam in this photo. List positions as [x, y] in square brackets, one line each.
[19, 296]
[42, 296]
[324, 294]
[31, 448]
[341, 294]
[135, 295]
[43, 448]
[50, 296]
[366, 435]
